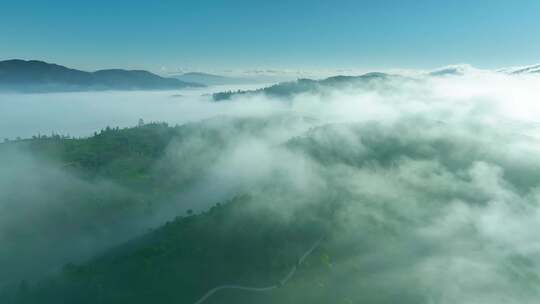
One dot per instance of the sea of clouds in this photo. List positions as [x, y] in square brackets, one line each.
[437, 176]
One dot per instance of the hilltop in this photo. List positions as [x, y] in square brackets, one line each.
[39, 76]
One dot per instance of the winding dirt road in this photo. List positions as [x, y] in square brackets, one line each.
[282, 282]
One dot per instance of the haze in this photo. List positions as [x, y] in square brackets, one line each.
[81, 114]
[280, 153]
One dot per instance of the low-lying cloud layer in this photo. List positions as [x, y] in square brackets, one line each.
[437, 179]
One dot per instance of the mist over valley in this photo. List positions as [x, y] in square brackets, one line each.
[402, 176]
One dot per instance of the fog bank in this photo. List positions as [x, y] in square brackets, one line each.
[437, 179]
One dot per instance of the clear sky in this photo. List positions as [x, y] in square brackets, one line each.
[252, 34]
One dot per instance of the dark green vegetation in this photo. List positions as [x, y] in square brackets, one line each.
[80, 195]
[39, 76]
[288, 89]
[232, 242]
[127, 157]
[178, 263]
[416, 211]
[248, 240]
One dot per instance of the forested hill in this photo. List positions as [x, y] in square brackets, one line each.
[125, 155]
[232, 242]
[132, 215]
[287, 89]
[179, 262]
[38, 76]
[84, 195]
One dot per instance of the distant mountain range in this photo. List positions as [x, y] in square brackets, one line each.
[462, 69]
[38, 76]
[522, 70]
[247, 78]
[453, 70]
[210, 79]
[288, 89]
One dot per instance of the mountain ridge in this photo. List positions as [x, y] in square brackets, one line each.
[40, 76]
[529, 69]
[210, 79]
[306, 85]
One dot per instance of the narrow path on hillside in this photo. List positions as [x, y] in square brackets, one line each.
[282, 282]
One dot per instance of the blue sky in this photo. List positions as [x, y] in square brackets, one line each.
[235, 34]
